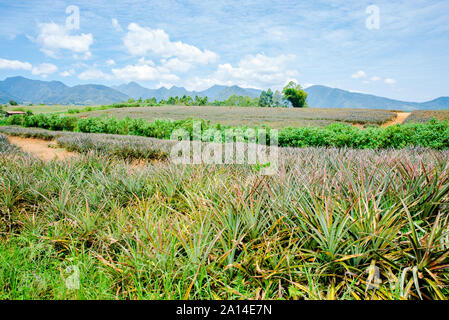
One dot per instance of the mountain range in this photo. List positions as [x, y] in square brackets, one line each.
[325, 97]
[216, 92]
[25, 90]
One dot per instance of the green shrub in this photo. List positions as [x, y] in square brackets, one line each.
[433, 134]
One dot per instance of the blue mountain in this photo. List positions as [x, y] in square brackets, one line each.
[55, 92]
[26, 90]
[325, 97]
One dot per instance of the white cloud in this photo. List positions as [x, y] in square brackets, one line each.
[256, 71]
[359, 75]
[67, 73]
[92, 74]
[139, 41]
[53, 37]
[110, 62]
[84, 56]
[116, 25]
[367, 80]
[199, 83]
[44, 69]
[175, 64]
[14, 65]
[144, 70]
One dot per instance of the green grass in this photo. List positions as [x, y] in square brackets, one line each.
[45, 108]
[253, 116]
[226, 232]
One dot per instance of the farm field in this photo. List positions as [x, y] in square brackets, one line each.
[167, 231]
[229, 158]
[253, 116]
[44, 109]
[427, 115]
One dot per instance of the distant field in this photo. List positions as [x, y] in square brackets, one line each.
[424, 116]
[45, 108]
[273, 117]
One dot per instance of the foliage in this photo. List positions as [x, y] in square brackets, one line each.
[238, 101]
[273, 100]
[427, 115]
[13, 103]
[266, 98]
[294, 93]
[433, 134]
[331, 220]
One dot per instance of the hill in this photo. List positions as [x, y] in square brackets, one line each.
[25, 90]
[326, 97]
[216, 92]
[5, 98]
[56, 92]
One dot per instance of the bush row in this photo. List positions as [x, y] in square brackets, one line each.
[433, 134]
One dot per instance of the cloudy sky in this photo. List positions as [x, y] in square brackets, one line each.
[399, 50]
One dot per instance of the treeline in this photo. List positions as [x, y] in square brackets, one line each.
[234, 100]
[433, 134]
[291, 96]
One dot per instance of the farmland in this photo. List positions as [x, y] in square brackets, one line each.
[253, 116]
[126, 222]
[427, 115]
[167, 231]
[44, 108]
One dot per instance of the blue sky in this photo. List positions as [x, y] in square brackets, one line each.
[250, 43]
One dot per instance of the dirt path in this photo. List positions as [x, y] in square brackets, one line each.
[40, 148]
[400, 118]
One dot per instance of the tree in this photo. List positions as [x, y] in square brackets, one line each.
[279, 100]
[293, 92]
[200, 101]
[13, 103]
[266, 98]
[151, 102]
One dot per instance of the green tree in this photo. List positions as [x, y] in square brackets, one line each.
[266, 99]
[13, 103]
[200, 101]
[151, 102]
[279, 100]
[293, 92]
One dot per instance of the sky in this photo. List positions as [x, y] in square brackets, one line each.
[395, 49]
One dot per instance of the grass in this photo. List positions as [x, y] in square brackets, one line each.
[253, 116]
[45, 108]
[225, 232]
[427, 115]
